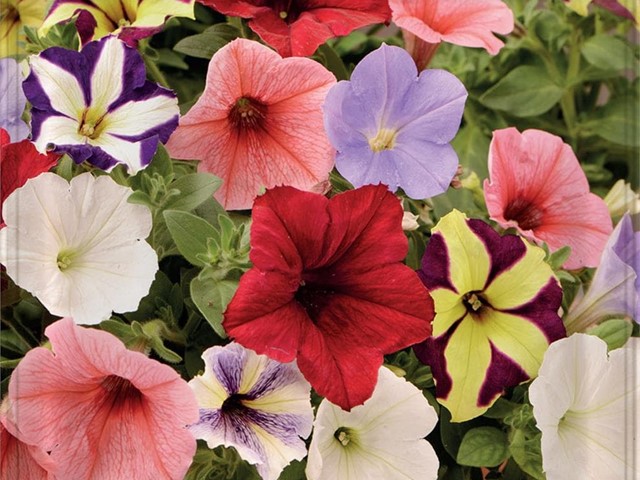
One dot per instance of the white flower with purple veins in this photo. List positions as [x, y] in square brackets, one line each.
[97, 106]
[78, 247]
[258, 406]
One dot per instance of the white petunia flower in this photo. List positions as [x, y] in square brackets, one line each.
[587, 406]
[381, 439]
[79, 247]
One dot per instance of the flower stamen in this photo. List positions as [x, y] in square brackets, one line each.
[384, 140]
[344, 435]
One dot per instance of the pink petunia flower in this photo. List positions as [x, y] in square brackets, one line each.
[538, 187]
[259, 123]
[104, 412]
[18, 459]
[426, 23]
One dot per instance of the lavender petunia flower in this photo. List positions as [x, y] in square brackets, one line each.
[255, 404]
[392, 126]
[12, 100]
[96, 105]
[615, 288]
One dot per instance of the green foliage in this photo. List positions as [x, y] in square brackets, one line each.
[483, 447]
[205, 44]
[615, 332]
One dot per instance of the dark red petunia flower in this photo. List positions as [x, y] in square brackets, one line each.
[329, 288]
[298, 27]
[19, 162]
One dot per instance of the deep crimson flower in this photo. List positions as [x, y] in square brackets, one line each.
[329, 289]
[19, 162]
[298, 27]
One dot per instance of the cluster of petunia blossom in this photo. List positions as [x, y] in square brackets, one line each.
[328, 294]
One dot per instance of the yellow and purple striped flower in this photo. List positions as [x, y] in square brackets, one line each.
[496, 303]
[97, 105]
[256, 405]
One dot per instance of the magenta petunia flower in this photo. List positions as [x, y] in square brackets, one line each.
[538, 187]
[258, 123]
[104, 412]
[392, 126]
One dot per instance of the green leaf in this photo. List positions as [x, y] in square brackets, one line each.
[483, 447]
[212, 297]
[194, 188]
[333, 62]
[190, 234]
[526, 453]
[526, 91]
[618, 122]
[170, 58]
[608, 53]
[205, 44]
[615, 332]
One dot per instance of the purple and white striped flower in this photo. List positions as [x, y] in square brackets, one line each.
[256, 405]
[97, 106]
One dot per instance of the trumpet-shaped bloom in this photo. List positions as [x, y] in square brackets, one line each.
[298, 27]
[96, 105]
[19, 161]
[470, 24]
[12, 100]
[383, 438]
[392, 126]
[538, 187]
[621, 199]
[496, 304]
[15, 15]
[256, 405]
[72, 246]
[585, 402]
[328, 287]
[258, 123]
[18, 459]
[615, 288]
[104, 412]
[129, 20]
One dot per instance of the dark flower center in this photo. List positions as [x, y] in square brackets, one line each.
[247, 113]
[233, 404]
[526, 213]
[314, 298]
[120, 391]
[288, 10]
[474, 302]
[9, 14]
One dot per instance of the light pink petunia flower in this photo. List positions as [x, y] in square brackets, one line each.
[538, 187]
[18, 459]
[104, 412]
[259, 123]
[426, 23]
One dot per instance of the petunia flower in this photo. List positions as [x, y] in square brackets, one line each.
[298, 27]
[130, 21]
[623, 8]
[426, 23]
[585, 402]
[19, 460]
[538, 187]
[101, 410]
[383, 438]
[96, 105]
[72, 246]
[15, 15]
[329, 289]
[12, 100]
[615, 288]
[20, 161]
[621, 199]
[256, 405]
[392, 126]
[496, 303]
[258, 123]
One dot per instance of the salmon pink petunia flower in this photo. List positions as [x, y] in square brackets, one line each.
[426, 23]
[18, 459]
[20, 161]
[329, 289]
[298, 27]
[538, 187]
[104, 412]
[258, 123]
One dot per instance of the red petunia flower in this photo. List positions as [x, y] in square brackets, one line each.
[19, 162]
[329, 289]
[298, 27]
